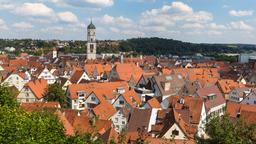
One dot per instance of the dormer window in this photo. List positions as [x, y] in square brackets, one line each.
[81, 93]
[121, 102]
[120, 90]
[175, 132]
[93, 98]
[211, 96]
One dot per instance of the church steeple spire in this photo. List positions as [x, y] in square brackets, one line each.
[91, 41]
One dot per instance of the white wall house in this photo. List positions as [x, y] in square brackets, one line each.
[175, 132]
[201, 126]
[26, 95]
[92, 101]
[79, 102]
[237, 95]
[120, 102]
[47, 75]
[17, 80]
[120, 120]
[250, 99]
[33, 91]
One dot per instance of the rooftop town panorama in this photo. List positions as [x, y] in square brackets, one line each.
[167, 98]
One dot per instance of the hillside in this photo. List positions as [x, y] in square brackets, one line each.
[146, 46]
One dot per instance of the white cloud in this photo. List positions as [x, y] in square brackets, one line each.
[115, 30]
[3, 25]
[173, 13]
[68, 17]
[107, 19]
[56, 30]
[23, 25]
[83, 3]
[213, 32]
[6, 6]
[216, 26]
[193, 26]
[101, 3]
[241, 13]
[34, 9]
[181, 7]
[241, 25]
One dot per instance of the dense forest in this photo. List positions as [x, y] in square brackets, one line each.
[169, 46]
[146, 46]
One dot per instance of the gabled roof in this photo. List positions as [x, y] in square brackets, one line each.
[176, 82]
[170, 117]
[38, 87]
[153, 103]
[126, 70]
[83, 125]
[244, 111]
[192, 105]
[109, 135]
[131, 98]
[104, 110]
[139, 119]
[99, 67]
[18, 63]
[107, 90]
[34, 106]
[226, 85]
[151, 140]
[69, 130]
[218, 100]
[76, 76]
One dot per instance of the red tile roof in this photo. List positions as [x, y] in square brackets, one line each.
[100, 68]
[125, 71]
[107, 90]
[226, 85]
[76, 76]
[204, 92]
[246, 112]
[38, 87]
[34, 106]
[104, 110]
[153, 103]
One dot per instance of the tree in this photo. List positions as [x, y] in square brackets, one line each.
[223, 130]
[122, 137]
[40, 127]
[55, 93]
[18, 126]
[83, 139]
[7, 97]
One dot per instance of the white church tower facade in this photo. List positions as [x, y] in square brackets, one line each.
[91, 42]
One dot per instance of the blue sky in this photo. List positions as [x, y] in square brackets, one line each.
[201, 21]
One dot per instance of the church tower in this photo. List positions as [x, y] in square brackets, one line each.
[91, 42]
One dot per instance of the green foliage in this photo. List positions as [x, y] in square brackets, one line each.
[17, 126]
[7, 97]
[83, 139]
[122, 137]
[43, 127]
[55, 93]
[159, 46]
[224, 131]
[222, 57]
[145, 46]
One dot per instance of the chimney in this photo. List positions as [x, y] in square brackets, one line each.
[166, 86]
[54, 53]
[141, 57]
[78, 114]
